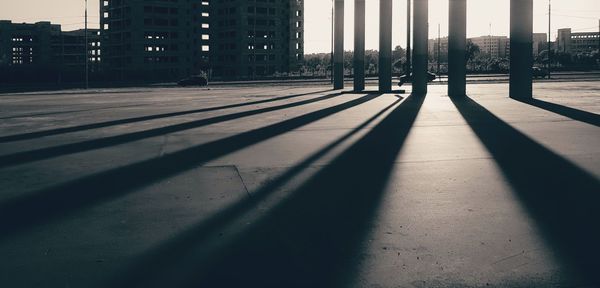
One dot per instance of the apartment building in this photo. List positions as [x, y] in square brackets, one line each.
[254, 38]
[154, 39]
[228, 39]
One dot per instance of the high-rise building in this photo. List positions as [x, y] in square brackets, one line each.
[72, 55]
[254, 38]
[171, 39]
[154, 39]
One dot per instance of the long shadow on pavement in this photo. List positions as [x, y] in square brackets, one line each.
[177, 249]
[59, 112]
[560, 196]
[575, 114]
[46, 204]
[37, 134]
[314, 237]
[65, 149]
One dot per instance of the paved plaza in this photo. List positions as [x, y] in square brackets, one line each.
[300, 186]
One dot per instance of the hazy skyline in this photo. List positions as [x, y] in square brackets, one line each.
[581, 15]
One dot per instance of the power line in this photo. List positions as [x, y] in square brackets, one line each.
[77, 23]
[54, 17]
[573, 16]
[582, 29]
[573, 10]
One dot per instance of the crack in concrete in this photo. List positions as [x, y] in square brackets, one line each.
[510, 257]
[242, 180]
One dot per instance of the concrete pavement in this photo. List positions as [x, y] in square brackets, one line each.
[300, 187]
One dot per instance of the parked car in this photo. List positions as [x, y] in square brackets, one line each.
[197, 80]
[408, 78]
[539, 72]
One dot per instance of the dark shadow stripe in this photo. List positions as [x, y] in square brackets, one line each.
[37, 134]
[561, 197]
[313, 238]
[575, 114]
[50, 152]
[41, 206]
[62, 112]
[178, 247]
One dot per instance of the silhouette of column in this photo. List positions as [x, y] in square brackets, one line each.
[338, 50]
[457, 48]
[359, 45]
[420, 34]
[385, 45]
[521, 45]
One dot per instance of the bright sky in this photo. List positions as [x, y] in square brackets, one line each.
[581, 15]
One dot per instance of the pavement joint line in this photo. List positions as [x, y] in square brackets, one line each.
[70, 111]
[237, 171]
[395, 162]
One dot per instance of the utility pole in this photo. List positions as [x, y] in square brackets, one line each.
[549, 37]
[408, 30]
[490, 42]
[438, 50]
[331, 62]
[86, 48]
[254, 44]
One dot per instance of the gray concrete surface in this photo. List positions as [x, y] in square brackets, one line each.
[300, 187]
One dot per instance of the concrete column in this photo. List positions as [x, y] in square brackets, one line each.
[338, 49]
[408, 38]
[420, 35]
[359, 45]
[385, 45]
[521, 45]
[457, 48]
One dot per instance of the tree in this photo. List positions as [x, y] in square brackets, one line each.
[472, 50]
[398, 58]
[564, 59]
[372, 61]
[398, 53]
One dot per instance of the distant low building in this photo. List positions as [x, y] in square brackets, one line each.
[27, 44]
[494, 46]
[41, 52]
[540, 43]
[443, 48]
[569, 42]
